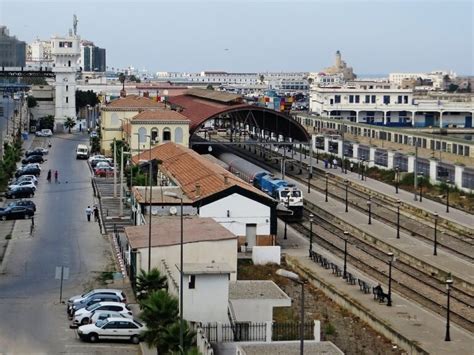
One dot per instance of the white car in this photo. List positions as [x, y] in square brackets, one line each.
[46, 133]
[26, 178]
[103, 164]
[93, 134]
[100, 315]
[100, 157]
[22, 184]
[83, 315]
[32, 165]
[112, 328]
[84, 296]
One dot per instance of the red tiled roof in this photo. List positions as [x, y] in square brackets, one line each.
[134, 101]
[188, 169]
[159, 115]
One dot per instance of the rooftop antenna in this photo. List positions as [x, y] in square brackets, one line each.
[74, 23]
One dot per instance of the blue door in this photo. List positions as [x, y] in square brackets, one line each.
[468, 123]
[429, 119]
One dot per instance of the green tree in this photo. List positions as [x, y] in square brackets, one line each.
[122, 78]
[47, 122]
[210, 87]
[148, 282]
[134, 78]
[119, 144]
[69, 123]
[31, 101]
[84, 98]
[170, 339]
[33, 81]
[159, 310]
[95, 145]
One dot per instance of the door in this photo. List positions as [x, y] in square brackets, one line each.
[111, 331]
[251, 235]
[468, 123]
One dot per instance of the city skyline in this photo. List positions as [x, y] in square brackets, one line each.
[247, 36]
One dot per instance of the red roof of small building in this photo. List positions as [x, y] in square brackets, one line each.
[159, 115]
[135, 102]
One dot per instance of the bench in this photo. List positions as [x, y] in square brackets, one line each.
[325, 263]
[363, 286]
[350, 279]
[338, 270]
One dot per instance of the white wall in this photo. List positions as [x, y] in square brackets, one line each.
[248, 310]
[223, 251]
[208, 301]
[242, 211]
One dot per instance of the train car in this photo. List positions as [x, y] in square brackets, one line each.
[284, 192]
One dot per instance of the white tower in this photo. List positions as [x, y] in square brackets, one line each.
[65, 52]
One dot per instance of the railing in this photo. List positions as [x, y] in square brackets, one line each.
[173, 287]
[291, 331]
[203, 344]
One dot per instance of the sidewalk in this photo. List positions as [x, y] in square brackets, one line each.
[454, 215]
[407, 244]
[405, 317]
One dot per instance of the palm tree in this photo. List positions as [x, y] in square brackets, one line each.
[159, 310]
[147, 282]
[261, 78]
[121, 78]
[170, 339]
[69, 123]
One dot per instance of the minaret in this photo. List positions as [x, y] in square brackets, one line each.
[338, 60]
[66, 52]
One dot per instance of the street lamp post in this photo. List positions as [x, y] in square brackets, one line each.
[421, 187]
[346, 182]
[326, 191]
[447, 195]
[288, 207]
[294, 277]
[397, 178]
[115, 168]
[181, 325]
[346, 236]
[390, 261]
[435, 251]
[121, 181]
[449, 282]
[369, 206]
[398, 219]
[150, 177]
[310, 234]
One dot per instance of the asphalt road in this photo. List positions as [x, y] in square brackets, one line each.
[32, 319]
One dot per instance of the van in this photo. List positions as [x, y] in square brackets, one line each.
[82, 151]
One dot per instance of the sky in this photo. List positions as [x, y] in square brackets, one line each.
[374, 37]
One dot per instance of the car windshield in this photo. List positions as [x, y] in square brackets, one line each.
[93, 306]
[100, 323]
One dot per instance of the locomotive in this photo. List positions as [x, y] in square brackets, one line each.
[285, 193]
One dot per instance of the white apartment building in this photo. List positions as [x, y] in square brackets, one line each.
[436, 77]
[384, 103]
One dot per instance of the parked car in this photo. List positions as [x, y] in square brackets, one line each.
[83, 315]
[28, 170]
[95, 162]
[23, 183]
[104, 171]
[44, 133]
[100, 157]
[35, 151]
[20, 192]
[103, 164]
[15, 212]
[112, 328]
[24, 178]
[93, 134]
[23, 203]
[101, 314]
[96, 291]
[33, 159]
[33, 165]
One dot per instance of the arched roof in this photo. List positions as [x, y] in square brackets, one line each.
[200, 106]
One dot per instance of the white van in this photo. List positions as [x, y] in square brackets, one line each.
[82, 151]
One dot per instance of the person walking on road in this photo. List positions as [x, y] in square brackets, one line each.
[352, 167]
[56, 177]
[49, 176]
[88, 213]
[96, 213]
[334, 162]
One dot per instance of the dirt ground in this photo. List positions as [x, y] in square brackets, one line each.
[349, 333]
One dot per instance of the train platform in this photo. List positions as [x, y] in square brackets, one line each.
[457, 216]
[406, 322]
[406, 244]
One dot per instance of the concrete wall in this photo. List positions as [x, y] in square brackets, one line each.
[248, 310]
[223, 251]
[265, 255]
[242, 211]
[111, 127]
[159, 127]
[208, 301]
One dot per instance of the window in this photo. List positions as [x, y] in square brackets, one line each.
[373, 99]
[67, 99]
[141, 135]
[192, 282]
[112, 325]
[367, 99]
[357, 99]
[337, 99]
[127, 325]
[115, 308]
[351, 99]
[68, 63]
[67, 88]
[386, 99]
[405, 99]
[399, 99]
[114, 120]
[178, 135]
[154, 134]
[166, 135]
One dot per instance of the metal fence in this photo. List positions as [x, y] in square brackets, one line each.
[235, 332]
[291, 331]
[381, 157]
[401, 161]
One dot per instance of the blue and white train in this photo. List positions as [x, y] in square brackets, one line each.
[285, 193]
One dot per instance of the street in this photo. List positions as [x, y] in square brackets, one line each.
[33, 320]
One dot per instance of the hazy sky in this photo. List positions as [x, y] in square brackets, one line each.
[378, 36]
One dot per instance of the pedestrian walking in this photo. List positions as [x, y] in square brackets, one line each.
[56, 177]
[352, 167]
[330, 163]
[96, 214]
[49, 176]
[325, 163]
[335, 163]
[88, 213]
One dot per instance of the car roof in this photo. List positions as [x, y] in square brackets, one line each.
[120, 319]
[101, 290]
[110, 303]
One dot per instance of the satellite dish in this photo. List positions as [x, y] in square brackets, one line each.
[173, 210]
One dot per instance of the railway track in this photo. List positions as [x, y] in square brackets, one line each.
[382, 209]
[407, 280]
